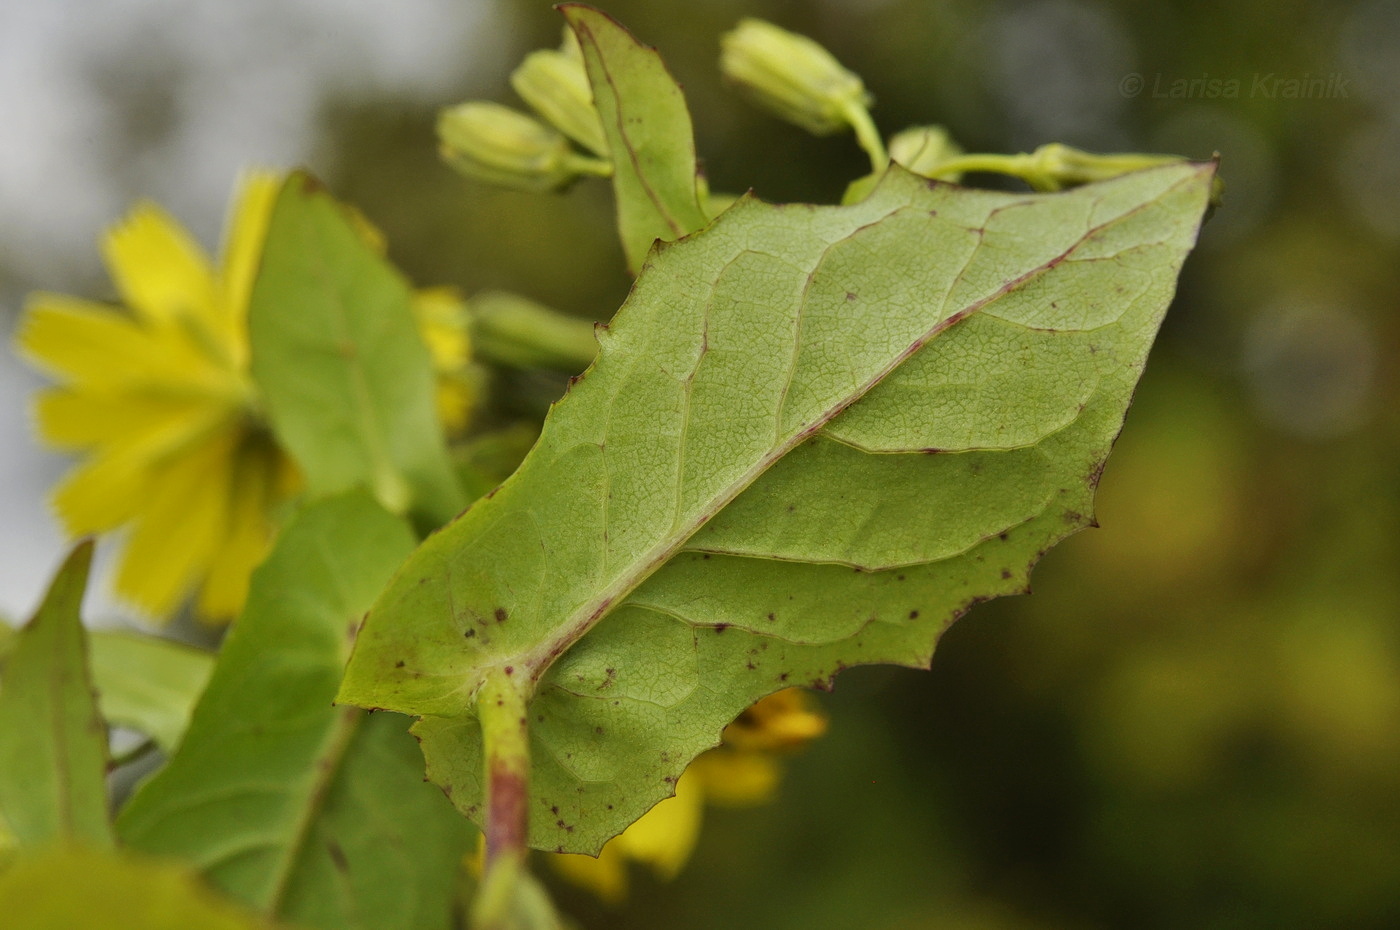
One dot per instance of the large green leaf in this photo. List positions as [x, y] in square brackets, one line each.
[346, 378]
[648, 129]
[148, 684]
[814, 436]
[72, 888]
[53, 744]
[302, 809]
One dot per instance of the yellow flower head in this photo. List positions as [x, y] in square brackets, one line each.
[742, 771]
[155, 399]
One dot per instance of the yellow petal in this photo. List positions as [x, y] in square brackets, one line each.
[665, 836]
[605, 876]
[787, 719]
[248, 537]
[244, 239]
[179, 529]
[89, 343]
[737, 779]
[69, 419]
[160, 272]
[443, 323]
[102, 493]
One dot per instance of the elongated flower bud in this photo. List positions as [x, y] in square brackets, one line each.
[1057, 166]
[556, 85]
[793, 76]
[502, 146]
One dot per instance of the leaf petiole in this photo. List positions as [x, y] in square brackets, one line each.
[501, 708]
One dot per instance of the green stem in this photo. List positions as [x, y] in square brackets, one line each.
[513, 330]
[501, 706]
[588, 165]
[1018, 166]
[867, 135]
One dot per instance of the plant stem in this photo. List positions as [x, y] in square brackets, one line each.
[867, 135]
[501, 708]
[517, 331]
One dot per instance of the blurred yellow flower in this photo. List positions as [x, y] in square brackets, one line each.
[443, 322]
[156, 399]
[743, 771]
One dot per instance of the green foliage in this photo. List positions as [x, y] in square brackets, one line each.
[647, 126]
[148, 684]
[302, 809]
[346, 377]
[812, 438]
[738, 495]
[63, 889]
[53, 746]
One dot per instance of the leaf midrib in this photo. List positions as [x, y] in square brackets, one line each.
[327, 765]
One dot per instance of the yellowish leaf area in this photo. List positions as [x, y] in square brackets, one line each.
[155, 399]
[743, 771]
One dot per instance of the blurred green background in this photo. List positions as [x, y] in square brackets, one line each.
[1195, 720]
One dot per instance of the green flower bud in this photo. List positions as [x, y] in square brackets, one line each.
[502, 146]
[793, 76]
[1056, 166]
[923, 149]
[555, 84]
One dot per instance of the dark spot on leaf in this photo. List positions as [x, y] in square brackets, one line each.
[850, 296]
[1006, 573]
[721, 627]
[337, 857]
[598, 730]
[469, 634]
[783, 676]
[705, 555]
[501, 615]
[554, 810]
[751, 665]
[771, 617]
[898, 577]
[913, 615]
[510, 669]
[1002, 536]
[398, 664]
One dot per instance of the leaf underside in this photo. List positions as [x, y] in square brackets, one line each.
[814, 436]
[339, 363]
[301, 809]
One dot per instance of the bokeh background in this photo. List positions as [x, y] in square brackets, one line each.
[1195, 720]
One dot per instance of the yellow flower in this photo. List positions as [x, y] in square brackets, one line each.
[156, 399]
[443, 322]
[743, 771]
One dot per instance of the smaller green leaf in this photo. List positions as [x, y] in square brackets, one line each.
[64, 889]
[346, 378]
[53, 744]
[148, 684]
[647, 125]
[305, 810]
